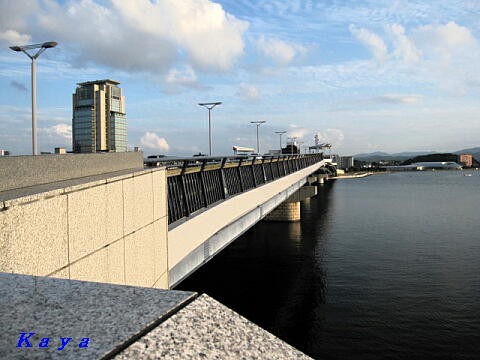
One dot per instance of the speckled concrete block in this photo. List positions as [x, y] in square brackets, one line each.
[93, 267]
[87, 221]
[159, 179]
[138, 202]
[33, 237]
[116, 262]
[114, 211]
[160, 247]
[205, 329]
[111, 316]
[140, 257]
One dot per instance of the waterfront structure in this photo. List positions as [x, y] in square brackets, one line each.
[4, 152]
[99, 120]
[431, 165]
[466, 160]
[346, 162]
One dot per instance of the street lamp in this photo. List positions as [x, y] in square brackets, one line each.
[210, 106]
[258, 123]
[292, 139]
[42, 47]
[280, 133]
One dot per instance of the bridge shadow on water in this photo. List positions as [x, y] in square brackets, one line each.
[273, 274]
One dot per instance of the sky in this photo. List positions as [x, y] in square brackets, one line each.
[365, 76]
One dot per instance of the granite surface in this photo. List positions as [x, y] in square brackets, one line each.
[22, 171]
[205, 329]
[111, 316]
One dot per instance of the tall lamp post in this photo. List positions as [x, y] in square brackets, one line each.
[42, 47]
[210, 106]
[292, 144]
[280, 133]
[258, 123]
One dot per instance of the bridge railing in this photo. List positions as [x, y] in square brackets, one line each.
[198, 182]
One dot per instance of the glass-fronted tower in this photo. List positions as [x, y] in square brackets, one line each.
[99, 120]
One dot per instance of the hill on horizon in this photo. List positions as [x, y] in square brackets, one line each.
[406, 155]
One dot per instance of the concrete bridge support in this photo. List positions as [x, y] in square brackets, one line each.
[289, 210]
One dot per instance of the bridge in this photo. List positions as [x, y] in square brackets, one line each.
[106, 218]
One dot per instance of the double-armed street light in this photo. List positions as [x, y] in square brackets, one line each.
[210, 106]
[42, 47]
[292, 143]
[258, 123]
[280, 133]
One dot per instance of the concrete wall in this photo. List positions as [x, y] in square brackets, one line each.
[22, 171]
[112, 230]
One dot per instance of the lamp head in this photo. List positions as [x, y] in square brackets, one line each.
[49, 44]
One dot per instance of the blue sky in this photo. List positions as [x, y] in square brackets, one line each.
[364, 75]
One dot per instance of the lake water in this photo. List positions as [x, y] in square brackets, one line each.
[383, 267]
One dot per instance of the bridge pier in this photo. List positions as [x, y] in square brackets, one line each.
[289, 210]
[286, 211]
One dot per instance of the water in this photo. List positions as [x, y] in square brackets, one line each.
[384, 267]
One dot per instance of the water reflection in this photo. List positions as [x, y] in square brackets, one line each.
[273, 273]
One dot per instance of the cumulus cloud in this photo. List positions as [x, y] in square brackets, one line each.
[372, 42]
[150, 140]
[140, 35]
[281, 52]
[18, 86]
[13, 37]
[248, 92]
[299, 132]
[405, 49]
[331, 136]
[446, 41]
[61, 133]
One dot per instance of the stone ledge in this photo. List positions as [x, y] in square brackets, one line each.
[112, 316]
[206, 329]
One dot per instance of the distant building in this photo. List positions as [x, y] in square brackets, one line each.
[4, 153]
[99, 120]
[466, 160]
[346, 162]
[60, 150]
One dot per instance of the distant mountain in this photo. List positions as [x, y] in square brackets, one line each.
[379, 155]
[474, 151]
[402, 156]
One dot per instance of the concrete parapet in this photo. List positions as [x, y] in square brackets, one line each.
[23, 171]
[112, 230]
[286, 211]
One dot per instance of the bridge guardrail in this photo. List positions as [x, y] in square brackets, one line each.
[198, 182]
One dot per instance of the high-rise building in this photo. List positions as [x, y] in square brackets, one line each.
[99, 120]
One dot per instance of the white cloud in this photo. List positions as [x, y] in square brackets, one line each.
[299, 132]
[140, 35]
[248, 92]
[63, 131]
[447, 41]
[332, 136]
[151, 140]
[13, 37]
[372, 41]
[281, 52]
[183, 76]
[405, 49]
